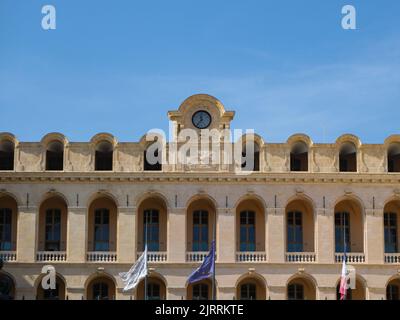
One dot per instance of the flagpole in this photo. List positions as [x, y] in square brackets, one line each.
[344, 247]
[145, 249]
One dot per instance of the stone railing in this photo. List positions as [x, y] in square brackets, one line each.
[251, 256]
[196, 256]
[392, 258]
[300, 257]
[101, 256]
[352, 257]
[154, 256]
[51, 256]
[8, 256]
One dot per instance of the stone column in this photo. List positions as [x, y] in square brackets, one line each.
[226, 228]
[77, 234]
[176, 293]
[325, 235]
[276, 293]
[27, 233]
[126, 244]
[276, 235]
[374, 236]
[176, 234]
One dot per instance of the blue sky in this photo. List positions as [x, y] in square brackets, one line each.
[118, 66]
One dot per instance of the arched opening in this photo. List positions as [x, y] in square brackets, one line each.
[349, 230]
[55, 156]
[250, 226]
[393, 157]
[51, 294]
[6, 155]
[8, 223]
[251, 162]
[200, 223]
[348, 157]
[352, 294]
[152, 221]
[299, 157]
[53, 213]
[251, 288]
[153, 157]
[7, 287]
[201, 290]
[391, 226]
[102, 228]
[393, 289]
[301, 288]
[104, 156]
[156, 289]
[101, 288]
[299, 226]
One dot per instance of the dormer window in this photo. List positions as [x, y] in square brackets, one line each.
[299, 157]
[348, 158]
[104, 156]
[6, 155]
[55, 156]
[393, 157]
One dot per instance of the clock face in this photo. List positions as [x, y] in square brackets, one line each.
[201, 119]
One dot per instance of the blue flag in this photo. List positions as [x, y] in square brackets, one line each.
[206, 269]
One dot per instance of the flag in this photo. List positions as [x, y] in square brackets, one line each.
[206, 269]
[343, 279]
[138, 272]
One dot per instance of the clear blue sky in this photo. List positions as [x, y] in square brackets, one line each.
[284, 66]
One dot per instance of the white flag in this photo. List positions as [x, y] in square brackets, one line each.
[138, 271]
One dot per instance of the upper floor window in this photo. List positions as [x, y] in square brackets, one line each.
[394, 158]
[390, 225]
[151, 234]
[5, 229]
[248, 291]
[6, 155]
[55, 156]
[104, 156]
[200, 230]
[296, 291]
[247, 231]
[299, 157]
[200, 291]
[294, 232]
[348, 158]
[53, 230]
[102, 230]
[251, 162]
[152, 158]
[342, 232]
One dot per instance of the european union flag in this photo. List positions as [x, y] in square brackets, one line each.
[206, 269]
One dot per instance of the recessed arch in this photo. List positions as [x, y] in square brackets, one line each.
[100, 286]
[359, 293]
[301, 286]
[51, 294]
[7, 282]
[152, 219]
[156, 287]
[7, 153]
[251, 286]
[348, 146]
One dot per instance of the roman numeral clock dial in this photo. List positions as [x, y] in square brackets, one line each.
[201, 119]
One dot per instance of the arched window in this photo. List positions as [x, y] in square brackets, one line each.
[200, 230]
[104, 156]
[200, 291]
[7, 287]
[151, 229]
[55, 156]
[53, 230]
[101, 288]
[247, 231]
[52, 294]
[100, 291]
[391, 232]
[294, 231]
[296, 291]
[342, 232]
[393, 290]
[6, 155]
[348, 158]
[394, 158]
[153, 158]
[248, 291]
[153, 291]
[299, 157]
[5, 229]
[254, 164]
[101, 230]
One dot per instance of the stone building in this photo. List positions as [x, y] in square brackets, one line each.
[280, 229]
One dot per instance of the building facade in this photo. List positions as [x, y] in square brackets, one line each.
[280, 229]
